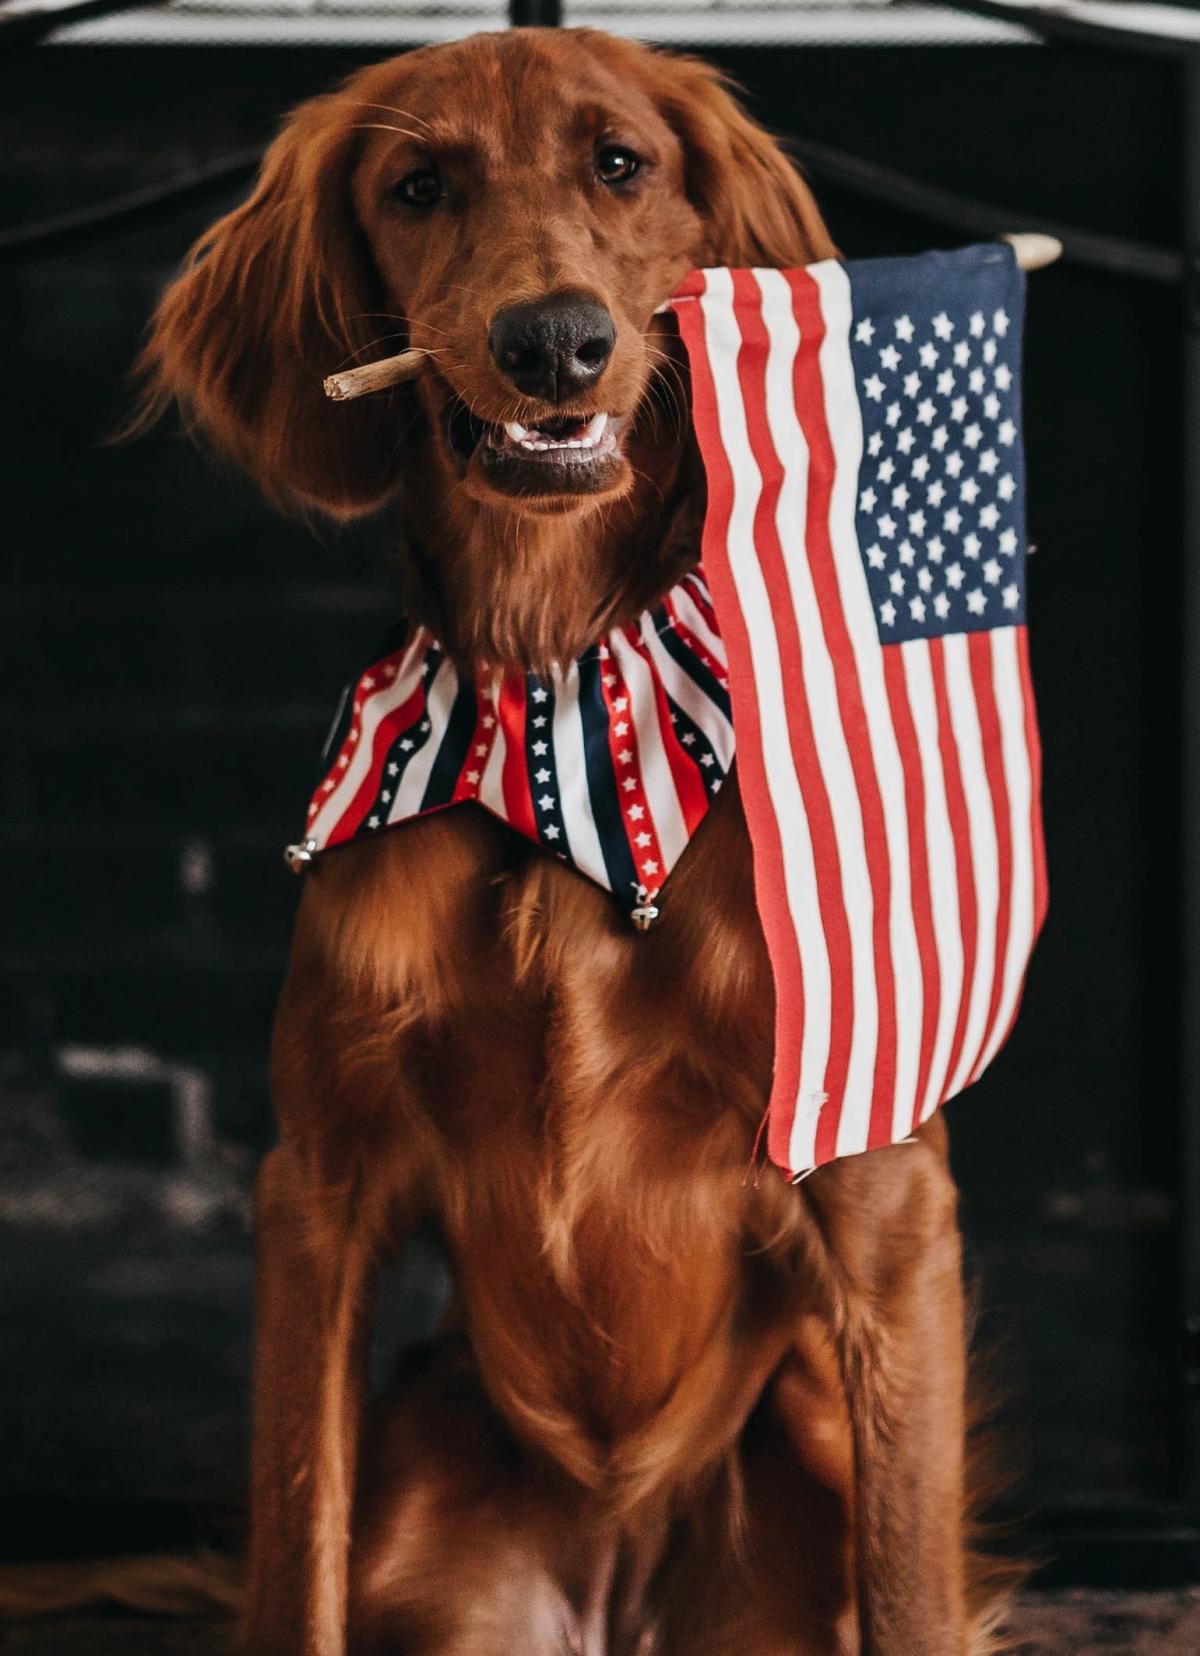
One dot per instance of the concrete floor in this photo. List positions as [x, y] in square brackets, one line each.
[1045, 1624]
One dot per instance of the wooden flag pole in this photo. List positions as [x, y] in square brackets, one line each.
[1033, 250]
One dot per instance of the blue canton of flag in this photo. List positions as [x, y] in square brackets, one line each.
[940, 511]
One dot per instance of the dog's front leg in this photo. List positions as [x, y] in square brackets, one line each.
[313, 1284]
[890, 1219]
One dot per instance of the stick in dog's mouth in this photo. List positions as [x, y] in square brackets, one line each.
[1034, 251]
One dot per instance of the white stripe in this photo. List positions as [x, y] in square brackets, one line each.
[964, 720]
[692, 616]
[666, 813]
[377, 705]
[820, 683]
[782, 782]
[687, 694]
[943, 879]
[844, 420]
[1018, 775]
[566, 737]
[442, 691]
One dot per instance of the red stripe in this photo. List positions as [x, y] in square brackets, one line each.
[399, 719]
[686, 773]
[699, 596]
[770, 886]
[636, 798]
[514, 777]
[979, 650]
[1033, 745]
[695, 644]
[479, 751]
[918, 851]
[808, 392]
[956, 807]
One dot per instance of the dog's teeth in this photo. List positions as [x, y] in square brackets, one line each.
[572, 442]
[529, 443]
[595, 428]
[514, 430]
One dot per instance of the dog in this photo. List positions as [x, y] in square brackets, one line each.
[679, 1406]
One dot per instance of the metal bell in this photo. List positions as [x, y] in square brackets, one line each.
[645, 912]
[301, 856]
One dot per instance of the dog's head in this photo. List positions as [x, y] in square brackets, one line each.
[517, 205]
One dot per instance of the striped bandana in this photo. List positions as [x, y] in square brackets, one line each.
[609, 763]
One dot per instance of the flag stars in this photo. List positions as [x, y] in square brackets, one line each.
[542, 775]
[936, 493]
[920, 468]
[551, 830]
[538, 749]
[989, 352]
[865, 331]
[868, 500]
[629, 785]
[473, 776]
[650, 866]
[939, 439]
[908, 555]
[1006, 488]
[1003, 377]
[889, 358]
[1011, 596]
[546, 802]
[991, 406]
[393, 769]
[989, 517]
[973, 436]
[539, 693]
[958, 410]
[874, 388]
[989, 460]
[1007, 433]
[926, 412]
[977, 325]
[896, 582]
[1008, 542]
[929, 355]
[912, 385]
[876, 557]
[905, 441]
[635, 813]
[887, 613]
[941, 606]
[962, 354]
[887, 526]
[977, 601]
[905, 329]
[916, 522]
[875, 444]
[925, 579]
[1000, 323]
[887, 471]
[952, 522]
[893, 415]
[954, 464]
[969, 491]
[900, 495]
[642, 840]
[955, 574]
[972, 545]
[916, 608]
[935, 550]
[992, 572]
[942, 326]
[945, 382]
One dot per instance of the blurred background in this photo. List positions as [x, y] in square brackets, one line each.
[172, 652]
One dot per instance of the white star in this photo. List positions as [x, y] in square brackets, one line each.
[887, 471]
[905, 441]
[976, 380]
[969, 491]
[900, 495]
[406, 743]
[366, 682]
[481, 748]
[621, 703]
[539, 695]
[887, 613]
[926, 411]
[935, 549]
[425, 726]
[1007, 432]
[905, 329]
[650, 867]
[1003, 378]
[991, 406]
[546, 802]
[962, 354]
[958, 409]
[929, 355]
[916, 607]
[1007, 487]
[688, 739]
[908, 553]
[386, 795]
[952, 520]
[977, 325]
[537, 749]
[539, 721]
[954, 463]
[621, 728]
[867, 500]
[865, 332]
[940, 438]
[642, 839]
[893, 415]
[916, 522]
[874, 443]
[472, 776]
[393, 769]
[896, 582]
[989, 517]
[937, 492]
[542, 775]
[912, 384]
[876, 559]
[874, 388]
[954, 576]
[488, 721]
[706, 759]
[973, 436]
[941, 606]
[988, 461]
[942, 325]
[625, 757]
[976, 600]
[1011, 596]
[629, 785]
[1000, 323]
[924, 580]
[1008, 542]
[889, 358]
[373, 822]
[344, 761]
[551, 830]
[992, 572]
[609, 679]
[635, 813]
[972, 545]
[920, 468]
[887, 527]
[989, 352]
[945, 382]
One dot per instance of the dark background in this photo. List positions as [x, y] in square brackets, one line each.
[172, 653]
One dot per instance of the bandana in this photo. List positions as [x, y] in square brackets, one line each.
[609, 763]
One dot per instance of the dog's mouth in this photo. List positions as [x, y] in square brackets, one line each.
[554, 455]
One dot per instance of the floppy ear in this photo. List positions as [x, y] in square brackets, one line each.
[757, 208]
[271, 299]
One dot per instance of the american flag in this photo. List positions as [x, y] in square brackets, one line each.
[865, 542]
[609, 762]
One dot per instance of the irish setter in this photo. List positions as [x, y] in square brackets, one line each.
[679, 1409]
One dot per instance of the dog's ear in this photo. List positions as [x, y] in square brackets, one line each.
[271, 299]
[757, 208]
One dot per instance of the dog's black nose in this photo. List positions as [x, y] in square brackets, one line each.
[552, 348]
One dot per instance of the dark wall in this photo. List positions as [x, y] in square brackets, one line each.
[173, 653]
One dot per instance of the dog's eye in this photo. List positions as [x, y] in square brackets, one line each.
[419, 189]
[616, 165]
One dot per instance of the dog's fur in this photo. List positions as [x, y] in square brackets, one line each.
[682, 1408]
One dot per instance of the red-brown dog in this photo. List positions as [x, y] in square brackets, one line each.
[680, 1410]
